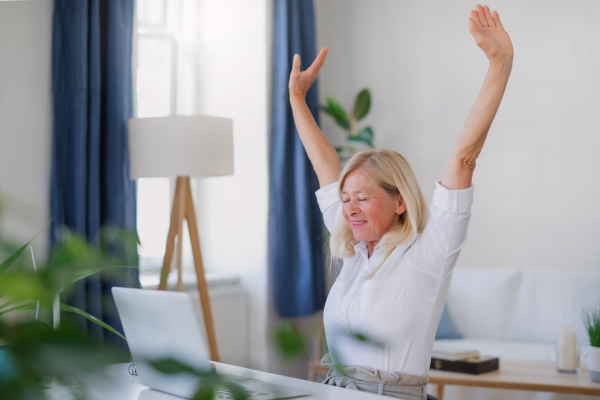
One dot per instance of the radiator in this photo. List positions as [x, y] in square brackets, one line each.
[229, 305]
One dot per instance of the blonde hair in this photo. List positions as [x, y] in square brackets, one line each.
[391, 172]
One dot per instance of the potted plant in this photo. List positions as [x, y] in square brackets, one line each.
[349, 122]
[592, 322]
[35, 352]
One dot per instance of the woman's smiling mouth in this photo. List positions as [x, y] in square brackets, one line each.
[357, 224]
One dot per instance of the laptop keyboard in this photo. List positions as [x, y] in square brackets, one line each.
[225, 394]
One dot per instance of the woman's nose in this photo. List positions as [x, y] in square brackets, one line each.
[351, 207]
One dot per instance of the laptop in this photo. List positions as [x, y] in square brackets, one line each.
[160, 324]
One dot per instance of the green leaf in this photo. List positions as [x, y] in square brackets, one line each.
[114, 234]
[360, 337]
[362, 104]
[26, 285]
[27, 306]
[326, 238]
[90, 317]
[205, 393]
[337, 112]
[363, 338]
[9, 303]
[592, 324]
[325, 109]
[10, 260]
[85, 272]
[288, 342]
[171, 366]
[364, 136]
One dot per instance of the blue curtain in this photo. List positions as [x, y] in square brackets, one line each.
[92, 101]
[295, 222]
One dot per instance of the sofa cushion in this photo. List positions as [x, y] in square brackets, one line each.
[446, 328]
[480, 300]
[548, 298]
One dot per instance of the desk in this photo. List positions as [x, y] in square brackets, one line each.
[117, 384]
[536, 376]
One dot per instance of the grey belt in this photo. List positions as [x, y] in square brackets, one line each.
[367, 379]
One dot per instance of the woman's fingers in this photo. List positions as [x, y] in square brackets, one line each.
[488, 16]
[296, 64]
[475, 18]
[473, 26]
[497, 19]
[489, 33]
[481, 15]
[484, 18]
[319, 61]
[301, 81]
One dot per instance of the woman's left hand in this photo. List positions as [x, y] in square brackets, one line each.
[489, 33]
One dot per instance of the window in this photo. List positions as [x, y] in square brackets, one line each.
[165, 76]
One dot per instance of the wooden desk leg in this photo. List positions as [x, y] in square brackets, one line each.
[440, 391]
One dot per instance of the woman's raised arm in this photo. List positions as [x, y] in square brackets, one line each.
[321, 153]
[491, 37]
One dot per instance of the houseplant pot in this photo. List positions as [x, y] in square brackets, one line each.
[593, 359]
[6, 366]
[592, 322]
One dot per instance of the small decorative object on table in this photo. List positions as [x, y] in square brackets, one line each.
[452, 353]
[471, 365]
[567, 353]
[592, 321]
[461, 359]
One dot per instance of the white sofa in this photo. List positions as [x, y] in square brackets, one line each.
[515, 314]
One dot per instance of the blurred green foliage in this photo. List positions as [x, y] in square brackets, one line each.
[210, 381]
[349, 121]
[592, 324]
[35, 353]
[288, 342]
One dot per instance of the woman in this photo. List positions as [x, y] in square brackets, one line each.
[397, 265]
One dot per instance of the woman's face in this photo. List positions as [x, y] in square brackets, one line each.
[369, 211]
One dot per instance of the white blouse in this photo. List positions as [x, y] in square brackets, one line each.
[401, 305]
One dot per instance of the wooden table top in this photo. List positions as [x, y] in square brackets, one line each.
[521, 375]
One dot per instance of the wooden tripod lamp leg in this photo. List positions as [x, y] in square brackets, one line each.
[170, 249]
[202, 287]
[181, 189]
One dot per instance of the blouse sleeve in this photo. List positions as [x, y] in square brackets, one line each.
[330, 205]
[437, 248]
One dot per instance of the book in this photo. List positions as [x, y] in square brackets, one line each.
[452, 353]
[472, 365]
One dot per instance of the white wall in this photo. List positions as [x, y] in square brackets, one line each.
[25, 120]
[235, 73]
[537, 190]
[232, 212]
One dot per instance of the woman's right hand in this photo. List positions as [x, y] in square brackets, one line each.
[300, 82]
[489, 34]
[321, 153]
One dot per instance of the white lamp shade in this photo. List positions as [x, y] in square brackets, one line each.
[197, 145]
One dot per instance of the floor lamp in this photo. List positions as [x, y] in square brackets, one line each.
[183, 147]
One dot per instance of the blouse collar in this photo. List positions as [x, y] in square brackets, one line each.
[376, 259]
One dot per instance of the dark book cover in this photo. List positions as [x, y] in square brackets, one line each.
[472, 365]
